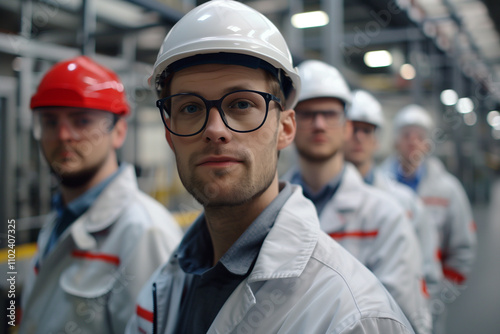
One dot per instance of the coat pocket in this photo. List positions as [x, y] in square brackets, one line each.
[91, 275]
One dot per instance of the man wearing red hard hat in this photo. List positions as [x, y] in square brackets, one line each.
[96, 249]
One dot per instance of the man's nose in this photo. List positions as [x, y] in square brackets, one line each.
[65, 131]
[215, 129]
[319, 120]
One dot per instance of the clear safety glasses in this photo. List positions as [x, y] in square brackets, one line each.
[74, 123]
[186, 114]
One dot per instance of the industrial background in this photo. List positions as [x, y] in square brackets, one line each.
[442, 54]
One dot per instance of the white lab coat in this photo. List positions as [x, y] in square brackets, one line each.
[89, 281]
[426, 231]
[374, 228]
[449, 209]
[302, 282]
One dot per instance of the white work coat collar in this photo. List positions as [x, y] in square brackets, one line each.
[105, 209]
[348, 197]
[284, 254]
[348, 188]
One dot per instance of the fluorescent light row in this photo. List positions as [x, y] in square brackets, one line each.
[463, 105]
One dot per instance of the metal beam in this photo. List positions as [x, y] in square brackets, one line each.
[331, 34]
[8, 149]
[362, 39]
[21, 46]
[89, 24]
[168, 14]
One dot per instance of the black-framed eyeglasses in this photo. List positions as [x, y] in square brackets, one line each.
[367, 130]
[332, 118]
[241, 111]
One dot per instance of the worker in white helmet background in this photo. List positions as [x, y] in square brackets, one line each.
[366, 221]
[366, 115]
[443, 195]
[104, 237]
[255, 260]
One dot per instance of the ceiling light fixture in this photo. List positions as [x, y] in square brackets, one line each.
[407, 72]
[379, 58]
[448, 97]
[464, 105]
[310, 19]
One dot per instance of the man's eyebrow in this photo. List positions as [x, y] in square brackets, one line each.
[81, 113]
[235, 88]
[224, 92]
[323, 111]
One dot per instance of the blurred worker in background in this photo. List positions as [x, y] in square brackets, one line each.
[255, 261]
[367, 120]
[444, 197]
[366, 221]
[105, 237]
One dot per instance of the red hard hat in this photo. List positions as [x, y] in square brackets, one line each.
[81, 83]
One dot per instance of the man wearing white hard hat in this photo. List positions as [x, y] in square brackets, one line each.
[365, 220]
[444, 197]
[255, 260]
[367, 120]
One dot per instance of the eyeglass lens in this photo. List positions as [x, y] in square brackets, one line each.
[331, 118]
[241, 111]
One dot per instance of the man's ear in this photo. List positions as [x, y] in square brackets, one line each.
[287, 128]
[348, 130]
[168, 136]
[119, 133]
[378, 138]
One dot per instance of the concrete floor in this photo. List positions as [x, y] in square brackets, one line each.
[477, 308]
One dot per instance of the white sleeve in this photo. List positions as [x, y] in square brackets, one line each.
[377, 325]
[398, 265]
[428, 236]
[151, 251]
[459, 247]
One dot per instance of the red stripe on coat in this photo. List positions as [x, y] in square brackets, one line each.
[144, 314]
[453, 275]
[437, 201]
[97, 257]
[424, 289]
[354, 234]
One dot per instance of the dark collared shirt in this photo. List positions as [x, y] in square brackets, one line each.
[208, 287]
[369, 178]
[411, 181]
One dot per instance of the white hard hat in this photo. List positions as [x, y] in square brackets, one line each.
[365, 108]
[320, 79]
[413, 115]
[229, 31]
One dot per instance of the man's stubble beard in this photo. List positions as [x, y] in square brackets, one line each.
[308, 156]
[76, 179]
[207, 192]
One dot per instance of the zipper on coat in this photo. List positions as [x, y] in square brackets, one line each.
[155, 315]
